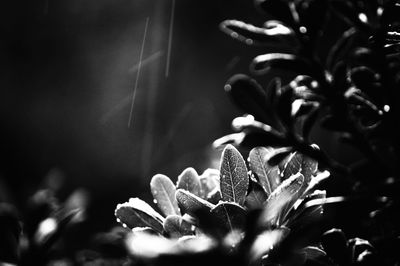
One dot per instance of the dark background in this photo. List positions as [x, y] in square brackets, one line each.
[66, 80]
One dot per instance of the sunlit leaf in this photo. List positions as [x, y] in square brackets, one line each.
[137, 213]
[281, 200]
[176, 226]
[273, 33]
[230, 215]
[298, 163]
[189, 202]
[268, 175]
[266, 241]
[233, 176]
[262, 64]
[190, 181]
[163, 191]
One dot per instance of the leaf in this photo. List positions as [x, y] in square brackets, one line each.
[256, 197]
[268, 175]
[349, 13]
[298, 163]
[265, 242]
[189, 202]
[163, 191]
[209, 181]
[273, 33]
[248, 95]
[233, 176]
[280, 201]
[190, 181]
[231, 216]
[278, 155]
[334, 243]
[137, 213]
[316, 256]
[262, 64]
[214, 196]
[176, 226]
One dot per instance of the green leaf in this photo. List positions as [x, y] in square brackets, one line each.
[190, 181]
[231, 215]
[281, 200]
[137, 213]
[233, 176]
[268, 175]
[190, 203]
[176, 226]
[163, 191]
[265, 242]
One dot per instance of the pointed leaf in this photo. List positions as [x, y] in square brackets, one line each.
[163, 191]
[176, 226]
[268, 175]
[190, 181]
[189, 202]
[231, 216]
[137, 213]
[281, 200]
[233, 176]
[340, 48]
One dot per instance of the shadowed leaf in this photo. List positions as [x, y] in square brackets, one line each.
[256, 196]
[230, 215]
[190, 181]
[248, 95]
[176, 226]
[334, 243]
[190, 203]
[137, 213]
[268, 175]
[163, 191]
[233, 176]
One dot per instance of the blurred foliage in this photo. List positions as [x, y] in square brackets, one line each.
[331, 63]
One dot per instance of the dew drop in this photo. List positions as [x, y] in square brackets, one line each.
[234, 35]
[155, 201]
[386, 108]
[303, 29]
[363, 18]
